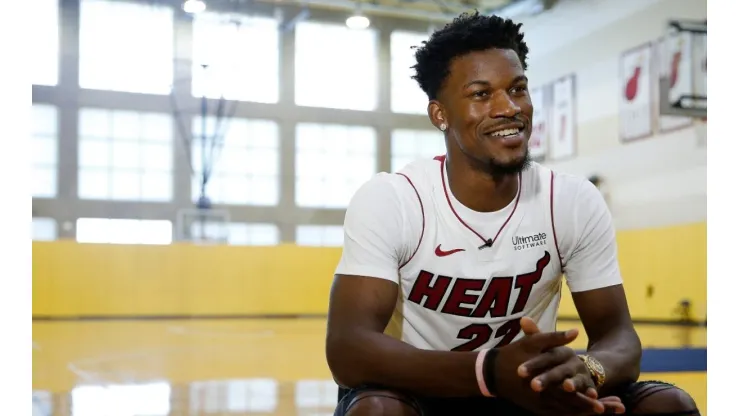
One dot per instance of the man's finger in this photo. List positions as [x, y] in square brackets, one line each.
[610, 399]
[597, 406]
[613, 406]
[582, 383]
[547, 340]
[529, 326]
[554, 377]
[591, 392]
[545, 361]
[560, 402]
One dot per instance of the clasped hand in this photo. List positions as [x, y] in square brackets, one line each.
[547, 367]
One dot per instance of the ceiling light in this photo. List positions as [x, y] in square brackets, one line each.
[194, 6]
[358, 21]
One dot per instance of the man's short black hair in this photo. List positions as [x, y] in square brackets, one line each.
[466, 33]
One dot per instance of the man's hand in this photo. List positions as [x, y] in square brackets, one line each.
[562, 379]
[510, 385]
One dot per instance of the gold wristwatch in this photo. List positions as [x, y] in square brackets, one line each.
[595, 368]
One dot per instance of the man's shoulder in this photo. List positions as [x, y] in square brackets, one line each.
[387, 192]
[407, 185]
[568, 185]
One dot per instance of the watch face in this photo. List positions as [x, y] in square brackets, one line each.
[597, 365]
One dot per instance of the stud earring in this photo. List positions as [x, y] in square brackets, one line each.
[443, 126]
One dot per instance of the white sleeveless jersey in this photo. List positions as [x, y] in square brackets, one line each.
[456, 292]
[461, 294]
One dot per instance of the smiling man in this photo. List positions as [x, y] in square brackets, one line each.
[446, 296]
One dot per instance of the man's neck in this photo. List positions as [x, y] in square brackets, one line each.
[478, 189]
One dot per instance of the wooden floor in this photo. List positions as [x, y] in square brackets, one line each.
[220, 367]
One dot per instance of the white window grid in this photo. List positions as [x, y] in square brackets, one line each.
[125, 155]
[44, 150]
[332, 162]
[123, 231]
[245, 168]
[224, 51]
[411, 145]
[126, 46]
[336, 67]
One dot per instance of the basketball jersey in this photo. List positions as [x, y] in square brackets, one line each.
[458, 293]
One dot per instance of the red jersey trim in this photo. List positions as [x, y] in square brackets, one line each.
[552, 217]
[423, 220]
[441, 159]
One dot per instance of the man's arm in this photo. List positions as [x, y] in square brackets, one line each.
[363, 298]
[593, 275]
[612, 339]
[358, 352]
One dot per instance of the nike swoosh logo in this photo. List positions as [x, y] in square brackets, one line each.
[442, 253]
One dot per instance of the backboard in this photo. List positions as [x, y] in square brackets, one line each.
[682, 65]
[203, 226]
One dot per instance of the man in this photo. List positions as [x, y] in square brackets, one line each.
[446, 296]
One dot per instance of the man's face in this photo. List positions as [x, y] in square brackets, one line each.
[485, 102]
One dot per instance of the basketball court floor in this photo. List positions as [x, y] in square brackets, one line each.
[243, 366]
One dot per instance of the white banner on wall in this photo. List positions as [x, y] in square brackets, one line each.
[699, 62]
[538, 141]
[562, 143]
[635, 93]
[679, 71]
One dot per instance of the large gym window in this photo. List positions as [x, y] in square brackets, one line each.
[44, 150]
[151, 398]
[336, 67]
[406, 96]
[410, 145]
[236, 57]
[44, 43]
[332, 162]
[253, 234]
[126, 46]
[236, 396]
[43, 229]
[319, 235]
[123, 231]
[236, 234]
[315, 396]
[243, 160]
[125, 155]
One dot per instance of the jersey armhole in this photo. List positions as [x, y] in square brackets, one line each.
[552, 220]
[423, 220]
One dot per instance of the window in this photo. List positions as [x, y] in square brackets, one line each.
[44, 48]
[410, 145]
[44, 155]
[43, 229]
[125, 155]
[332, 162]
[241, 234]
[234, 396]
[244, 168]
[42, 403]
[254, 234]
[406, 96]
[320, 235]
[126, 46]
[151, 399]
[228, 45]
[123, 231]
[336, 67]
[315, 396]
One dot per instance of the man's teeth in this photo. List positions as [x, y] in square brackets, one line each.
[507, 132]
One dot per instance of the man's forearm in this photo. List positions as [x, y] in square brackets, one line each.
[365, 357]
[619, 352]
